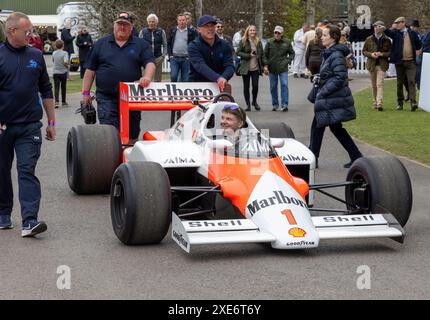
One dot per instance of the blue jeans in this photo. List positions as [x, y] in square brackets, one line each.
[274, 89]
[179, 69]
[108, 113]
[26, 141]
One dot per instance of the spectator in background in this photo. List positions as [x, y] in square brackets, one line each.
[24, 87]
[210, 57]
[278, 54]
[299, 52]
[313, 56]
[156, 37]
[36, 41]
[250, 51]
[117, 57]
[61, 67]
[180, 37]
[377, 49]
[405, 48]
[237, 37]
[67, 38]
[334, 103]
[219, 29]
[415, 26]
[84, 42]
[133, 19]
[189, 17]
[308, 36]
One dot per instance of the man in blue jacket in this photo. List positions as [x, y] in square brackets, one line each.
[406, 46]
[23, 76]
[211, 57]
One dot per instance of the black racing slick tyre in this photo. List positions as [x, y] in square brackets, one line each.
[275, 129]
[382, 181]
[93, 154]
[140, 203]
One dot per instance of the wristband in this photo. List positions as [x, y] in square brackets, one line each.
[86, 93]
[51, 123]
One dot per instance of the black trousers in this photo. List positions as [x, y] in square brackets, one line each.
[406, 72]
[341, 135]
[252, 75]
[60, 79]
[24, 140]
[82, 69]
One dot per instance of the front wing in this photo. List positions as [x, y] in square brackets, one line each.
[188, 233]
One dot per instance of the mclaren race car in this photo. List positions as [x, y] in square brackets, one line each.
[209, 189]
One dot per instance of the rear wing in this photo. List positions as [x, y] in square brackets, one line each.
[160, 96]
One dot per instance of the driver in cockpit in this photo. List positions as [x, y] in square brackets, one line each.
[233, 118]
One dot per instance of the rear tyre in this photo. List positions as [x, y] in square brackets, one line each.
[93, 154]
[140, 203]
[276, 129]
[383, 181]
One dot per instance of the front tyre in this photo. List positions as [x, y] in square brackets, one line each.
[140, 203]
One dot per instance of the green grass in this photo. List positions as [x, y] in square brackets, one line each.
[403, 133]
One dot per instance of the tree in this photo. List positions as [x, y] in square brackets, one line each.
[259, 15]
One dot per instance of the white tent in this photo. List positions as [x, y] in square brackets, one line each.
[45, 22]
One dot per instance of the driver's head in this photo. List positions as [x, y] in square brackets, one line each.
[233, 118]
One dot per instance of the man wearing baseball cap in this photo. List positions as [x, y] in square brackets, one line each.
[406, 47]
[278, 54]
[211, 58]
[117, 57]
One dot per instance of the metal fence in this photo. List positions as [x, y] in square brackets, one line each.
[357, 48]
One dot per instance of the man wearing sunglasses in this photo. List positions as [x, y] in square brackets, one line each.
[23, 76]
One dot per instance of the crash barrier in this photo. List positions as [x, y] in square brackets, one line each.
[424, 102]
[357, 48]
[161, 96]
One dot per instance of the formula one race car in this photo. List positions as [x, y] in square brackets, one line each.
[257, 188]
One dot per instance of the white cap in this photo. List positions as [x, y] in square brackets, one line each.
[279, 29]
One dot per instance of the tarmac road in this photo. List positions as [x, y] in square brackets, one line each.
[80, 236]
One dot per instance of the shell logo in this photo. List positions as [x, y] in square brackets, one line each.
[297, 232]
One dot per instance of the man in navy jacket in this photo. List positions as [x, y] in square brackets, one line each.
[23, 76]
[211, 57]
[406, 46]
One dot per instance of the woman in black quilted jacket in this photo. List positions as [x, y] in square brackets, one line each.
[334, 103]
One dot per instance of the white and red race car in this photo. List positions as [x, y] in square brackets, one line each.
[258, 188]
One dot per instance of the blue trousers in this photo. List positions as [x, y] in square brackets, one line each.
[108, 113]
[26, 141]
[179, 69]
[273, 77]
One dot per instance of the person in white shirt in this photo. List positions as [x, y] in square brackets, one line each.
[299, 65]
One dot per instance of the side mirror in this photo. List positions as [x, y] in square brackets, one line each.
[277, 142]
[219, 144]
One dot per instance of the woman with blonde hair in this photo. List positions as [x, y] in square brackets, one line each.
[250, 51]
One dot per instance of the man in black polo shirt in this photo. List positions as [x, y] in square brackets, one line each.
[114, 58]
